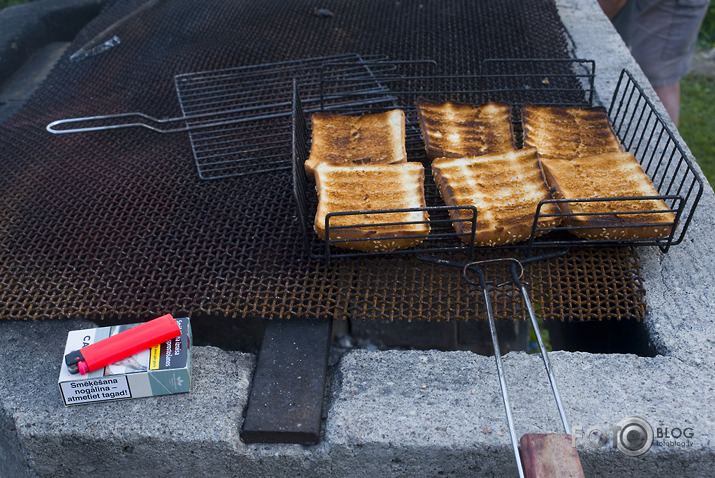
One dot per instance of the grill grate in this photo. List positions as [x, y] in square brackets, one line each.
[587, 284]
[118, 226]
[255, 104]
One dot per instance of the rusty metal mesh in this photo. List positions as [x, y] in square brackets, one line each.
[586, 284]
[118, 226]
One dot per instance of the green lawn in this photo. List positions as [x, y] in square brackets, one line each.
[697, 120]
[9, 3]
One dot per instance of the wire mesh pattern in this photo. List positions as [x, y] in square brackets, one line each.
[584, 285]
[551, 82]
[117, 225]
[240, 117]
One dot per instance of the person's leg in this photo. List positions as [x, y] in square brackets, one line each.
[670, 97]
[662, 37]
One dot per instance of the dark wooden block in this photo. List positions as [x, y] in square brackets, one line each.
[550, 456]
[286, 399]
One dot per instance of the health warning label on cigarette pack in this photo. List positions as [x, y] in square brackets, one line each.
[96, 390]
[162, 370]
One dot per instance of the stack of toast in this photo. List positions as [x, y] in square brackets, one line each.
[582, 158]
[569, 153]
[359, 164]
[476, 163]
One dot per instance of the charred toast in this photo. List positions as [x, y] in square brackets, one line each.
[367, 139]
[454, 130]
[505, 188]
[568, 132]
[370, 187]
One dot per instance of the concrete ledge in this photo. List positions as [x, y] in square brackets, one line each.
[440, 413]
[390, 413]
[397, 413]
[133, 437]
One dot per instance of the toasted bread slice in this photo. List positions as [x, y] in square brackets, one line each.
[568, 132]
[367, 139]
[370, 187]
[611, 175]
[505, 188]
[457, 130]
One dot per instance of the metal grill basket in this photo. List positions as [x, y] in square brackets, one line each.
[638, 125]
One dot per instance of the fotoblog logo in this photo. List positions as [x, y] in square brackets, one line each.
[633, 436]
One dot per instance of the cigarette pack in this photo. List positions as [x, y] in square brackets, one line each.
[162, 370]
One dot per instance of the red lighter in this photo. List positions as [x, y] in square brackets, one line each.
[123, 345]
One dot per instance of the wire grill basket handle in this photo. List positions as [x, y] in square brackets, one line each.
[160, 125]
[474, 274]
[517, 272]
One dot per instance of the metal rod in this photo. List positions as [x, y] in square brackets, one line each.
[497, 356]
[542, 349]
[517, 271]
[134, 119]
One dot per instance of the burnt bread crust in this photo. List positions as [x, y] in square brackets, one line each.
[613, 175]
[505, 188]
[366, 139]
[454, 130]
[568, 132]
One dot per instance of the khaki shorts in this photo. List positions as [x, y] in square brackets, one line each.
[661, 35]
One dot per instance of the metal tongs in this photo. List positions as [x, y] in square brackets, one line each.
[535, 449]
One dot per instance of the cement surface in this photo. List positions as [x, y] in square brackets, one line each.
[680, 286]
[398, 413]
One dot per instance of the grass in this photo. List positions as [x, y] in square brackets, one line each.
[706, 35]
[697, 115]
[697, 105]
[10, 3]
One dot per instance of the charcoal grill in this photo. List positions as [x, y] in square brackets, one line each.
[115, 227]
[92, 224]
[358, 83]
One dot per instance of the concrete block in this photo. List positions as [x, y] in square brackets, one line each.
[185, 433]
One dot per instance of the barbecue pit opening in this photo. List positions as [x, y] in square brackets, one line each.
[606, 336]
[602, 337]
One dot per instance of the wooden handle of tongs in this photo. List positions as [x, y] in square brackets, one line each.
[551, 455]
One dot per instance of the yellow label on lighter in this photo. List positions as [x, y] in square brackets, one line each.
[154, 358]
